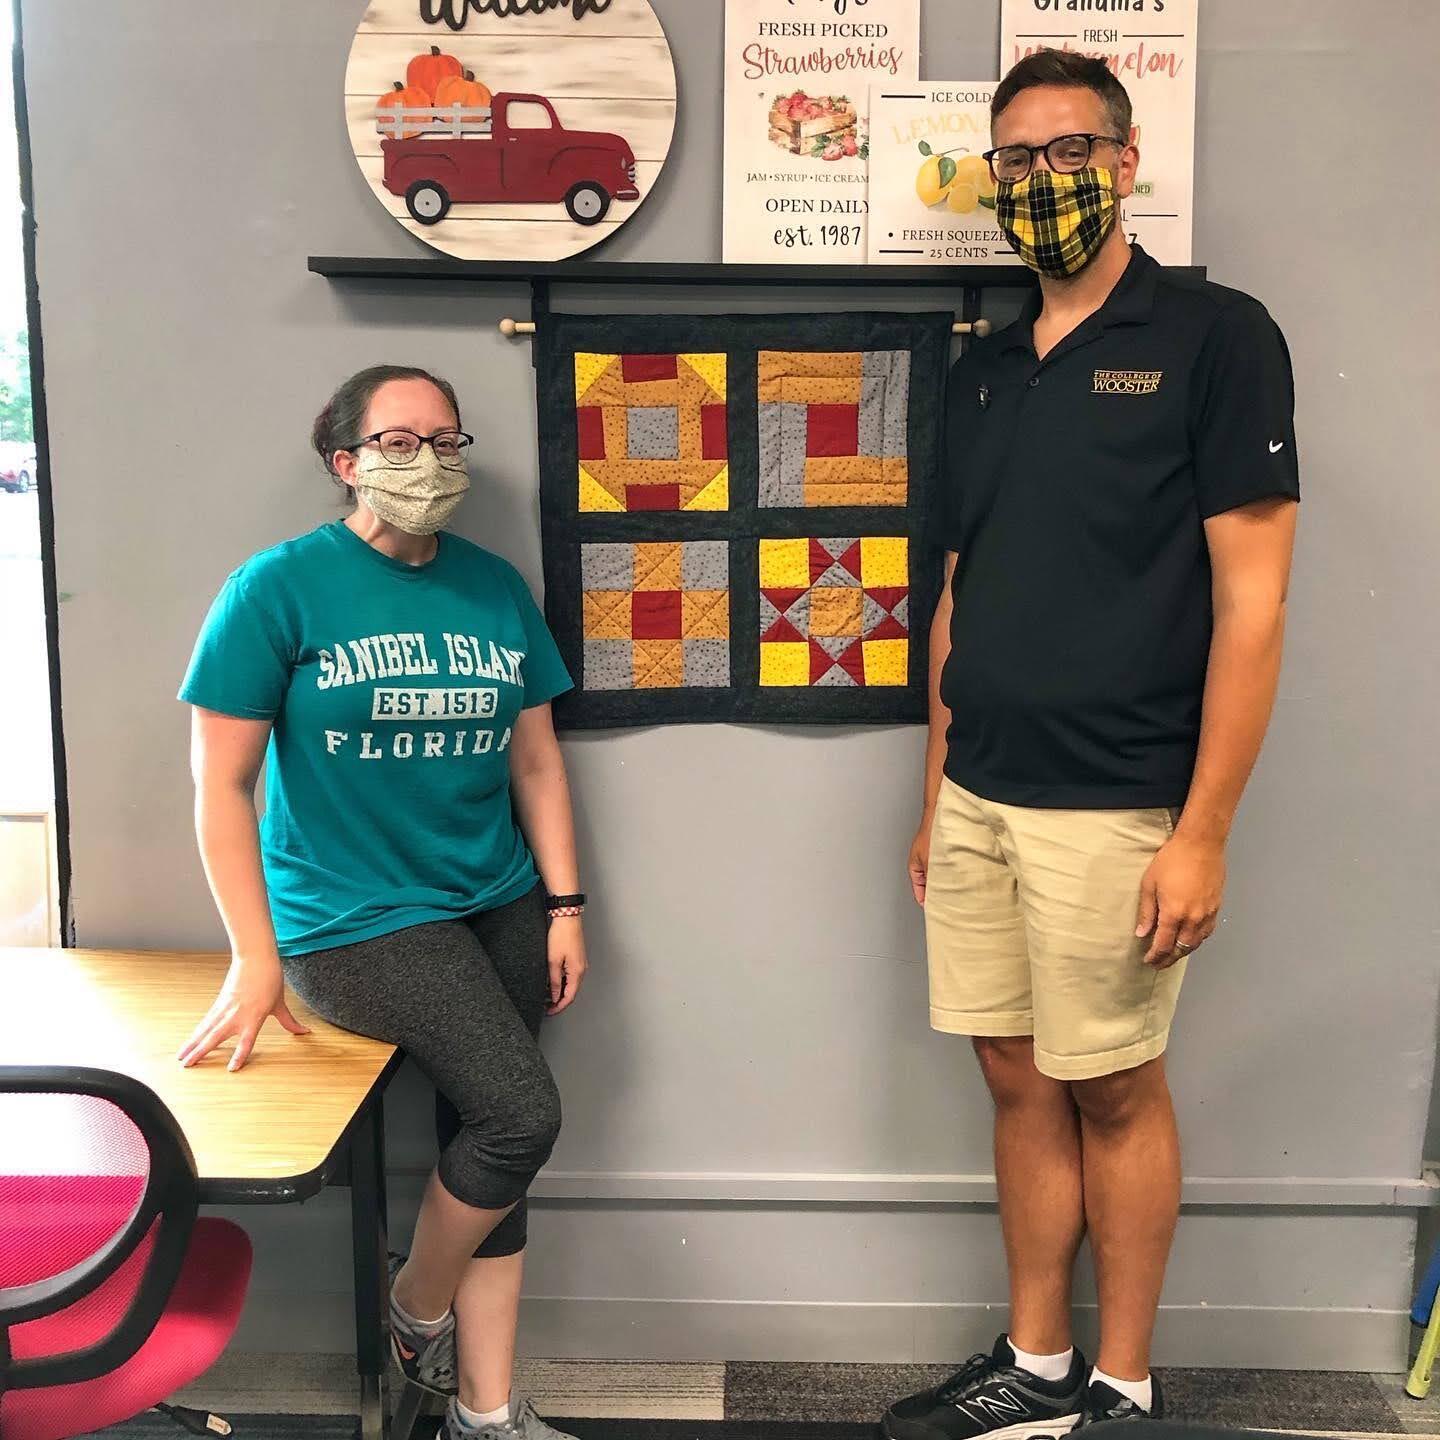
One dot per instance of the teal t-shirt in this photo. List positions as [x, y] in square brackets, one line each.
[394, 691]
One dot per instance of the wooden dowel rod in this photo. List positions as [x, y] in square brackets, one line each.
[511, 328]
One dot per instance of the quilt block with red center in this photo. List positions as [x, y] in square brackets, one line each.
[651, 432]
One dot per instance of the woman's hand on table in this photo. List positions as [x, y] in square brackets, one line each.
[253, 991]
[567, 962]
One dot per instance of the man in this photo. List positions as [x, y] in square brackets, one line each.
[1118, 518]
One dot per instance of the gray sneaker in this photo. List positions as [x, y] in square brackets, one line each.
[426, 1358]
[524, 1423]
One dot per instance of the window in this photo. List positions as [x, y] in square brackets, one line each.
[527, 115]
[29, 836]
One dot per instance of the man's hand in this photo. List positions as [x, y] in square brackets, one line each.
[1250, 550]
[1180, 898]
[919, 865]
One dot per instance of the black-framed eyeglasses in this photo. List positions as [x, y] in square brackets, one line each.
[400, 447]
[1065, 154]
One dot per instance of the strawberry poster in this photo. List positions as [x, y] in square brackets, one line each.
[1151, 47]
[932, 198]
[510, 129]
[798, 75]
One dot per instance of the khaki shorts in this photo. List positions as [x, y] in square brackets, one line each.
[1030, 925]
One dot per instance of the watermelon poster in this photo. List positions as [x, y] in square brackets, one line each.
[798, 76]
[1151, 47]
[932, 198]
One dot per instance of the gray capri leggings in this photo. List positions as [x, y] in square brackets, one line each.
[464, 999]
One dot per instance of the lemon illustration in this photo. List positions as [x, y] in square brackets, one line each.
[932, 184]
[974, 171]
[964, 197]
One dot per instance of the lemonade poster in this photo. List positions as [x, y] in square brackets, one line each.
[1150, 45]
[932, 201]
[798, 75]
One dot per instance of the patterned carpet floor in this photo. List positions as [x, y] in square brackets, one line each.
[312, 1398]
[1235, 1399]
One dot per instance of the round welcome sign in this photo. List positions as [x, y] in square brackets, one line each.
[510, 129]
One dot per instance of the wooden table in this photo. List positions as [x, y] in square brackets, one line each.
[305, 1112]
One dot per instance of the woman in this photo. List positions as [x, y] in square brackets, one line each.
[398, 680]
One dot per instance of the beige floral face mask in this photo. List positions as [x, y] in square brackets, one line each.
[418, 498]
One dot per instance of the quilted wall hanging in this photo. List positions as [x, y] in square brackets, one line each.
[734, 511]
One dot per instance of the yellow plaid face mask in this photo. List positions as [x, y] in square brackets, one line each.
[1057, 223]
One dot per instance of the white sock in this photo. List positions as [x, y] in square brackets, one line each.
[474, 1419]
[1142, 1392]
[1047, 1367]
[421, 1327]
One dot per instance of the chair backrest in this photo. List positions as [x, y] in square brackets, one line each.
[97, 1202]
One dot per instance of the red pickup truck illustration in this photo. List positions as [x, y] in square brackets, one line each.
[439, 156]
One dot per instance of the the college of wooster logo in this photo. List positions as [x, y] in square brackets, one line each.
[1127, 382]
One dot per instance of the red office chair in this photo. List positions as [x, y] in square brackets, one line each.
[112, 1294]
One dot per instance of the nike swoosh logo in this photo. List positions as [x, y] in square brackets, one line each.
[406, 1353]
[1277, 446]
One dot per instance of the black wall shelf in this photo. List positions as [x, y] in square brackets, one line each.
[970, 281]
[640, 272]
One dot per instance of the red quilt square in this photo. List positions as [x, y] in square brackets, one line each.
[656, 614]
[714, 443]
[652, 497]
[590, 422]
[647, 367]
[832, 430]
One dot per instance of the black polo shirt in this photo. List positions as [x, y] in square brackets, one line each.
[1075, 495]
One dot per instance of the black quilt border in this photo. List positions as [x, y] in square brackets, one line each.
[926, 335]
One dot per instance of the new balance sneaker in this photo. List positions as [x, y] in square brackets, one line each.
[425, 1355]
[1102, 1403]
[991, 1396]
[524, 1424]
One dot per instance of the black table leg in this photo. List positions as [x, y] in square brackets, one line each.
[372, 1283]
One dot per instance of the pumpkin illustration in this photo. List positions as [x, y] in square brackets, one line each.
[402, 97]
[427, 71]
[463, 90]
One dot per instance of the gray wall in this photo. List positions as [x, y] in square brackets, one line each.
[767, 1152]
